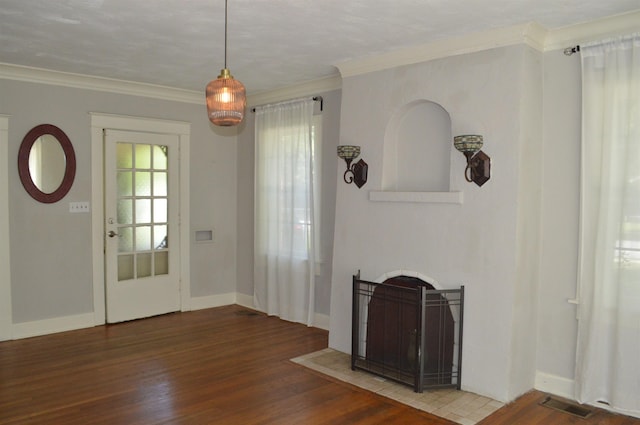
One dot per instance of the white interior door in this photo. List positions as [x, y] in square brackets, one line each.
[141, 224]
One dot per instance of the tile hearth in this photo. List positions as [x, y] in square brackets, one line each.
[459, 406]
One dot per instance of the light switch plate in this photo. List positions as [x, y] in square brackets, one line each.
[79, 207]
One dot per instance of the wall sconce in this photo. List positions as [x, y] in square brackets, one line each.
[356, 173]
[478, 163]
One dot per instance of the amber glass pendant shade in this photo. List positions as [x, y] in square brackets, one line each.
[226, 100]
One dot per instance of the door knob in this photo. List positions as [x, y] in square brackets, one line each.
[111, 233]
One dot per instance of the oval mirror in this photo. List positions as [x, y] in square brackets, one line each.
[46, 163]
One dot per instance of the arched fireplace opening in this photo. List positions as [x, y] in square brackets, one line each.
[406, 330]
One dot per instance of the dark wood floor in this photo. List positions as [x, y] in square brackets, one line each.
[225, 365]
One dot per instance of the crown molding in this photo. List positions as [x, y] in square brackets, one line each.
[531, 34]
[333, 82]
[66, 79]
[591, 31]
[80, 81]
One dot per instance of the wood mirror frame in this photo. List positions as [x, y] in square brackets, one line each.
[23, 163]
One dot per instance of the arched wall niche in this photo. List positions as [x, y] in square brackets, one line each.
[417, 149]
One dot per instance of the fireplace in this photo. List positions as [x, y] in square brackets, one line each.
[406, 330]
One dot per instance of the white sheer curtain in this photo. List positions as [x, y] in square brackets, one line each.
[608, 351]
[284, 270]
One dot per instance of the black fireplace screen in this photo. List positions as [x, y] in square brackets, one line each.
[405, 330]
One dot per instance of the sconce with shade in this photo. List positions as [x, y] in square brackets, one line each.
[478, 168]
[226, 96]
[357, 172]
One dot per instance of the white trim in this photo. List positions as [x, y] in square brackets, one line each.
[6, 317]
[88, 82]
[129, 123]
[50, 326]
[245, 300]
[321, 321]
[97, 223]
[86, 320]
[417, 197]
[185, 220]
[100, 121]
[333, 82]
[554, 384]
[530, 34]
[595, 30]
[211, 301]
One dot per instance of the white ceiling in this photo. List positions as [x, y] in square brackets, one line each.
[271, 44]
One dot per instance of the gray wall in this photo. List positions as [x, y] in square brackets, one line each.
[51, 248]
[330, 163]
[557, 327]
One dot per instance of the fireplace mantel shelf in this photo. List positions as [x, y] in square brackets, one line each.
[416, 197]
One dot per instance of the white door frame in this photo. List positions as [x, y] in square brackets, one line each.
[99, 122]
[6, 318]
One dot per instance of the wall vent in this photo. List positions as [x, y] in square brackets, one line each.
[563, 406]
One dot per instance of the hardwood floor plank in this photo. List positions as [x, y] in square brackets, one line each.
[226, 365]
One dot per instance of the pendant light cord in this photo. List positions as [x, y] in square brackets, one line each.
[225, 34]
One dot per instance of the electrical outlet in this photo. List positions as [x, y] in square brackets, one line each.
[79, 207]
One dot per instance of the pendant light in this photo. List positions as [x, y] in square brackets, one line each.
[226, 98]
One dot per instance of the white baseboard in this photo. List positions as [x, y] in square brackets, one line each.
[565, 387]
[556, 385]
[245, 300]
[87, 320]
[210, 301]
[321, 321]
[51, 326]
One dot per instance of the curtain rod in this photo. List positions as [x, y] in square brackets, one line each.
[314, 98]
[571, 50]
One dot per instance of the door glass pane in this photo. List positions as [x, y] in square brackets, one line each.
[160, 210]
[160, 240]
[125, 183]
[125, 267]
[125, 211]
[143, 156]
[143, 183]
[143, 211]
[124, 155]
[143, 265]
[161, 263]
[160, 154]
[159, 183]
[125, 239]
[143, 238]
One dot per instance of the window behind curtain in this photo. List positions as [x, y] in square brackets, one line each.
[298, 217]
